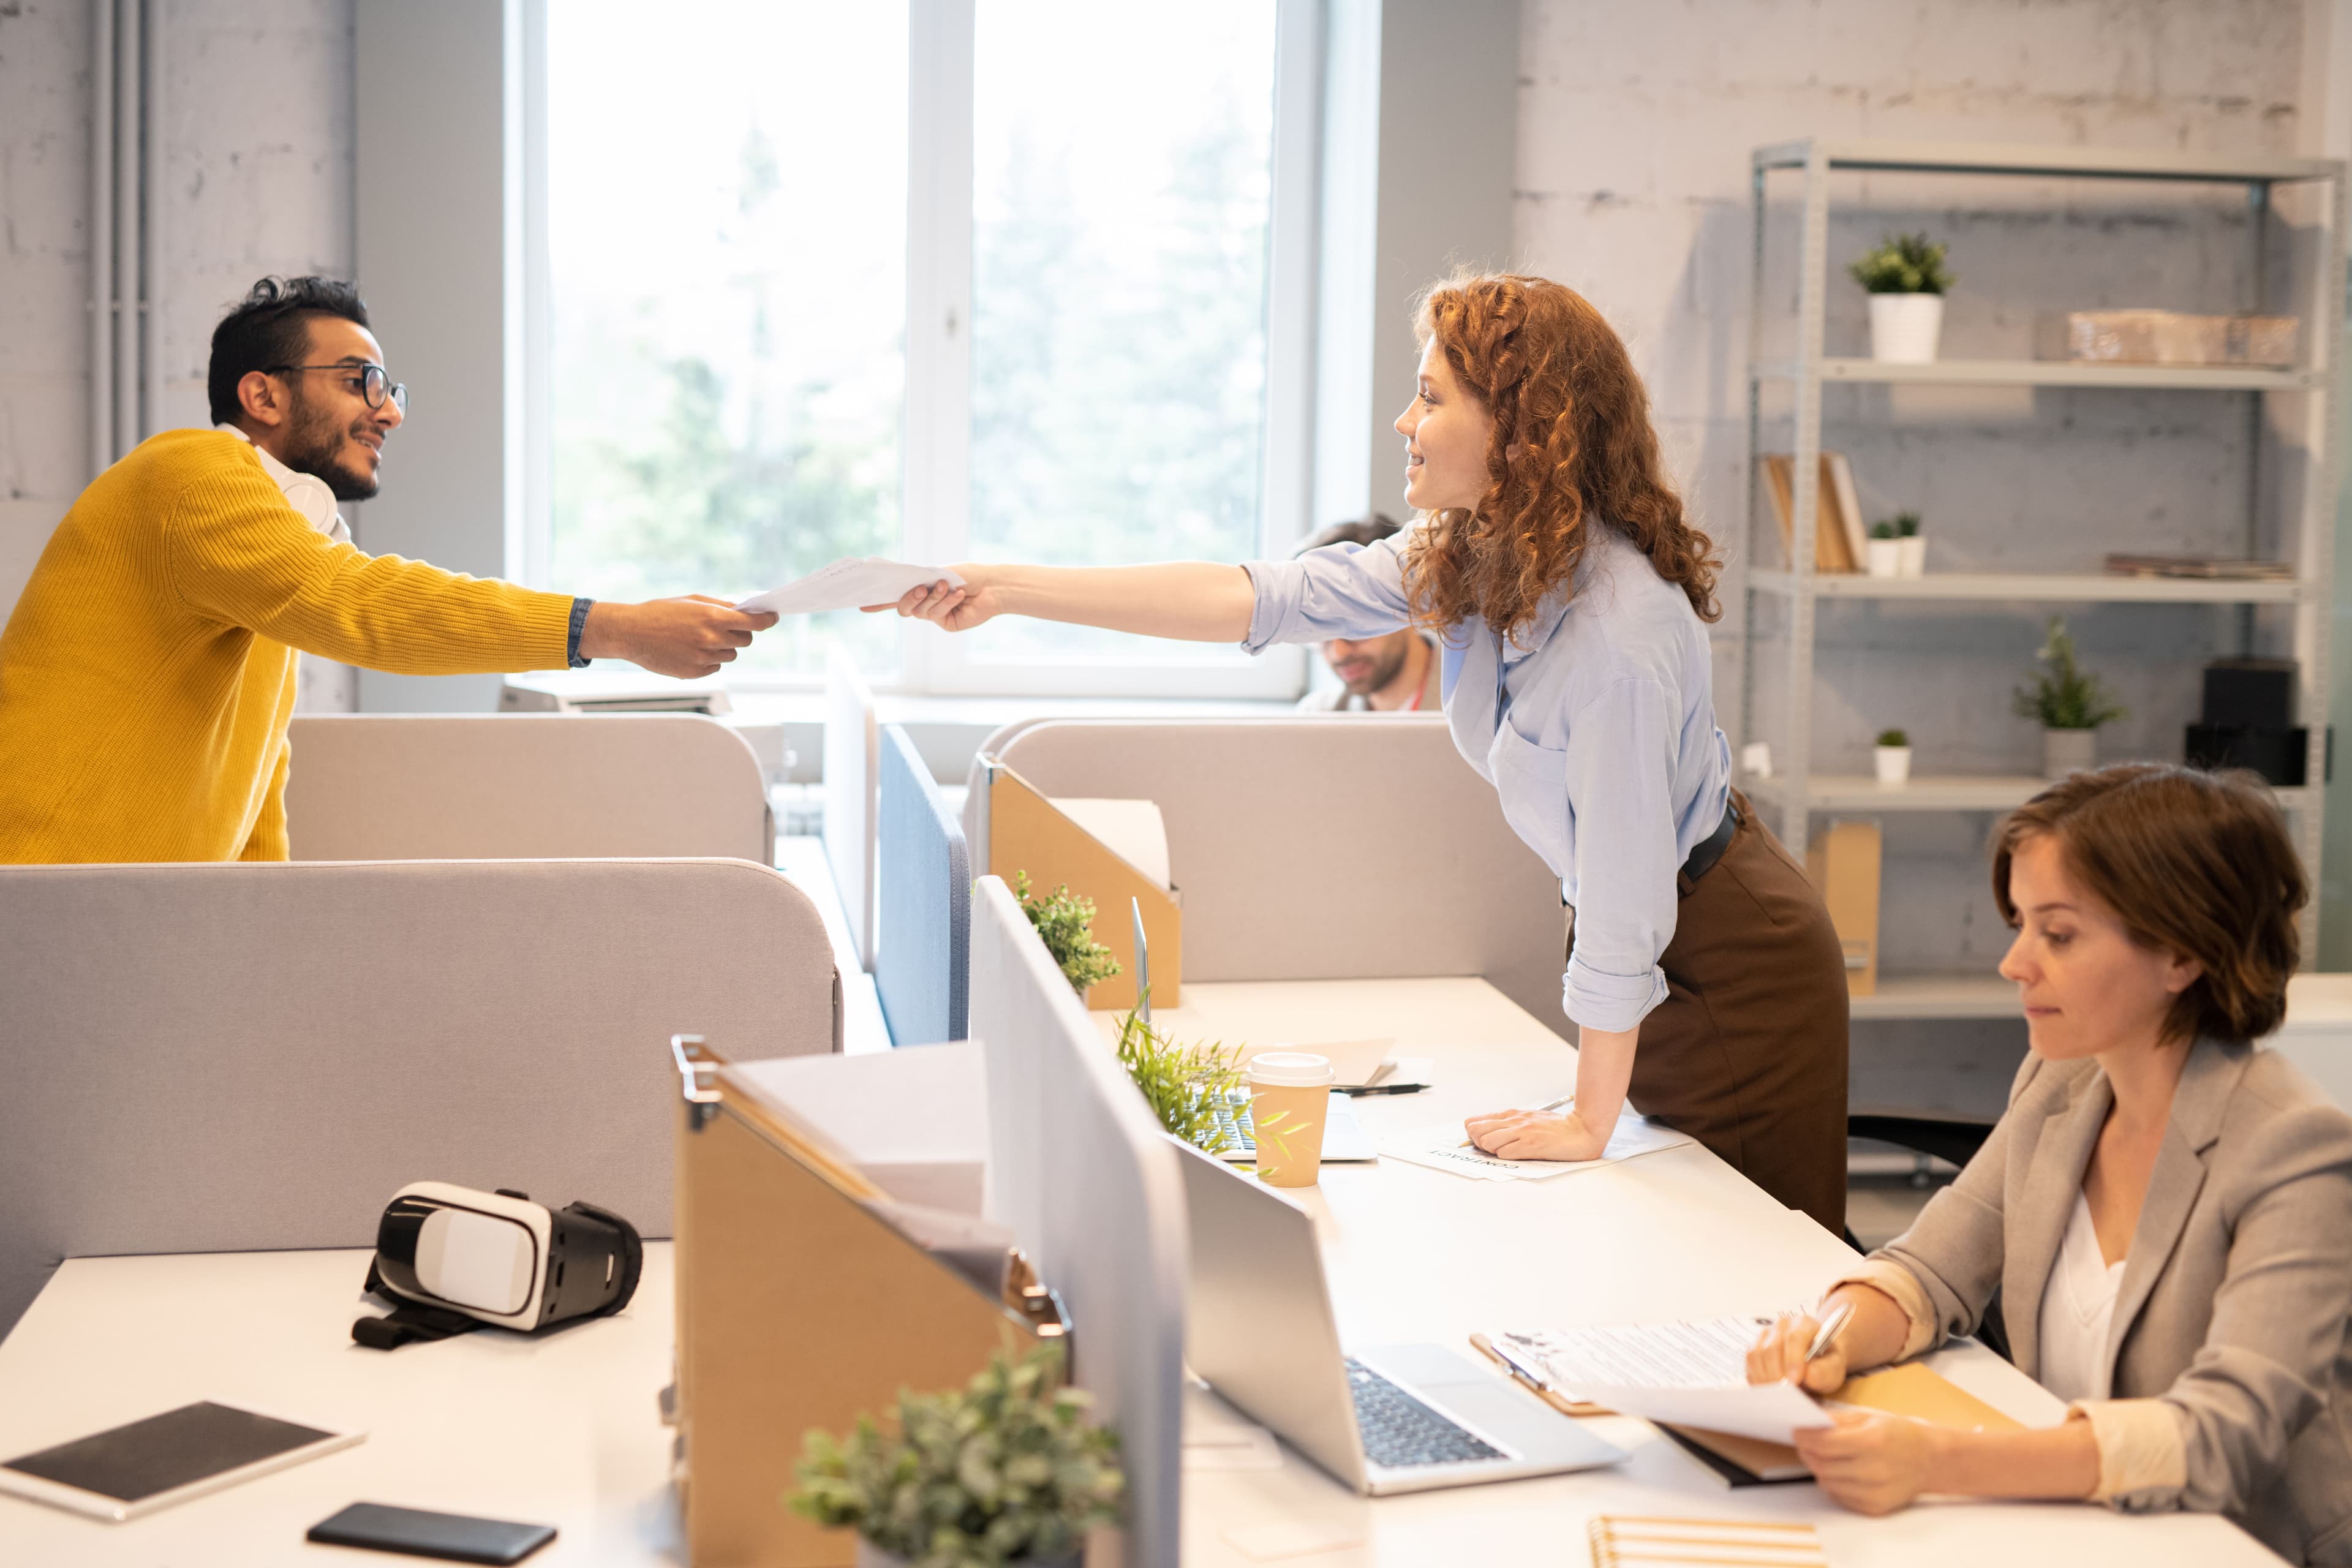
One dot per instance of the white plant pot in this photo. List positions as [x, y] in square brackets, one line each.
[2067, 752]
[1894, 763]
[1904, 328]
[1915, 555]
[1885, 557]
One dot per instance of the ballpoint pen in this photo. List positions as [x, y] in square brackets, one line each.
[1548, 1105]
[1824, 1335]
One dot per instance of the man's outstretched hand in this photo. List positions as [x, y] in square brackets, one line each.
[688, 638]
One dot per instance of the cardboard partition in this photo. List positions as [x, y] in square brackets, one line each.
[1843, 864]
[1027, 832]
[798, 1306]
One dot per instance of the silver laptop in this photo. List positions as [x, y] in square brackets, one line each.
[1393, 1418]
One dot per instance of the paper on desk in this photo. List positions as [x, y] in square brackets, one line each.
[1769, 1412]
[1439, 1147]
[1131, 829]
[848, 584]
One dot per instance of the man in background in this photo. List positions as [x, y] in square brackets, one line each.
[1394, 674]
[147, 675]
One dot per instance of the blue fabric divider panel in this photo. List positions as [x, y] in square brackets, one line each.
[922, 917]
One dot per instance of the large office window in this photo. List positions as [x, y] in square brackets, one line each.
[744, 385]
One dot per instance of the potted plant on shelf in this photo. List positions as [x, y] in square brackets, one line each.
[1906, 279]
[1886, 550]
[1893, 756]
[1913, 543]
[1005, 1471]
[2070, 703]
[1065, 923]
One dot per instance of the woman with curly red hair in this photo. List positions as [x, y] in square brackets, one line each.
[1554, 561]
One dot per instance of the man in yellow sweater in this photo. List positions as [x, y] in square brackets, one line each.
[147, 672]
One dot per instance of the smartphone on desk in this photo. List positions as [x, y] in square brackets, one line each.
[453, 1537]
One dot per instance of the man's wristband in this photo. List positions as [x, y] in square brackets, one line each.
[572, 639]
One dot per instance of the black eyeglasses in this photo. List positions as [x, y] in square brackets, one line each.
[374, 384]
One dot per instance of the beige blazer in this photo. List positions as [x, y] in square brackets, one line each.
[2227, 1366]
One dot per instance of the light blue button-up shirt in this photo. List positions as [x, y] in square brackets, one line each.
[1596, 728]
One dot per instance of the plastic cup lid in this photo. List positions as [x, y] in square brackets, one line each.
[1289, 1069]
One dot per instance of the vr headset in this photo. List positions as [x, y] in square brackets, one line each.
[451, 1259]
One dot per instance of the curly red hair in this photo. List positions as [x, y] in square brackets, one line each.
[1571, 441]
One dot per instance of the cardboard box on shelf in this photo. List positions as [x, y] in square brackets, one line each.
[1843, 861]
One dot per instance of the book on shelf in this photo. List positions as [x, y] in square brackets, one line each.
[2125, 563]
[1839, 538]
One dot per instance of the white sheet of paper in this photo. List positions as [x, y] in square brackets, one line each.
[1132, 829]
[1439, 1147]
[848, 584]
[1770, 1411]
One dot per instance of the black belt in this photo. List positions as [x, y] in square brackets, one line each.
[1710, 849]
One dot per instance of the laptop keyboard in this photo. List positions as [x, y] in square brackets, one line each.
[1233, 1113]
[1401, 1432]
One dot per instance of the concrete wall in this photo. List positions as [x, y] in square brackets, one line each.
[256, 178]
[1636, 125]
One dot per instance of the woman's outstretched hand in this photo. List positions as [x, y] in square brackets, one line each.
[1534, 1135]
[945, 604]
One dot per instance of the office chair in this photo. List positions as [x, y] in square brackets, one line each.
[1951, 1136]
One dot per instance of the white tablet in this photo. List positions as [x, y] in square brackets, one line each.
[129, 1471]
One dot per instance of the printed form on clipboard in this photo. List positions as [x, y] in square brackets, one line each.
[1440, 1146]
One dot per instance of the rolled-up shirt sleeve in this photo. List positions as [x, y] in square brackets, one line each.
[1620, 781]
[1339, 591]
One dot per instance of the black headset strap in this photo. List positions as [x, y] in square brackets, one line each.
[409, 1323]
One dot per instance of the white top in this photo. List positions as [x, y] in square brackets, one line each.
[2078, 1305]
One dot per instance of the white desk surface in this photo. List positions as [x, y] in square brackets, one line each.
[564, 1430]
[1415, 1253]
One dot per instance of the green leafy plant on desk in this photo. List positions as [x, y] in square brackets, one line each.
[1065, 923]
[1007, 1471]
[1185, 1084]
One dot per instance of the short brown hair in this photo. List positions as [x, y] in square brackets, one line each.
[2193, 863]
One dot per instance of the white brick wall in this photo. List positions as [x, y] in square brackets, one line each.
[1636, 126]
[255, 96]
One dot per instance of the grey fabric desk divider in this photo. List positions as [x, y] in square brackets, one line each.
[852, 758]
[235, 1057]
[922, 902]
[1336, 847]
[1081, 1171]
[523, 786]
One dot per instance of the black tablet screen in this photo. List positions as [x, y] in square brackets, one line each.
[163, 1452]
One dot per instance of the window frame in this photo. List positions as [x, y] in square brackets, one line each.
[935, 458]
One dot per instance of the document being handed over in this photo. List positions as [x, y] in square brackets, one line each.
[849, 584]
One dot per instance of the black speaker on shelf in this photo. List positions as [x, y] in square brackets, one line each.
[2248, 723]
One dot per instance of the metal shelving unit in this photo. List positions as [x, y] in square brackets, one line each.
[1797, 792]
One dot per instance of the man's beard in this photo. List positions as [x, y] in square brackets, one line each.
[311, 449]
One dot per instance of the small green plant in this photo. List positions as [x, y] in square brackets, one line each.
[1185, 1084]
[1904, 263]
[1065, 921]
[2060, 695]
[1007, 1469]
[1907, 525]
[1883, 530]
[1894, 738]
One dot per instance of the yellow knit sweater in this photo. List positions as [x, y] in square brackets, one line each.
[147, 673]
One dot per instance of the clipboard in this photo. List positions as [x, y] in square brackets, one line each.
[800, 1306]
[1027, 832]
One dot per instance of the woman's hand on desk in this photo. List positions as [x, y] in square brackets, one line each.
[1870, 1462]
[1535, 1135]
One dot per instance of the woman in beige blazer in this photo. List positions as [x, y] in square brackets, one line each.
[2165, 1211]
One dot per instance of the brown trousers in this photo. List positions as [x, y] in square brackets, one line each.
[1748, 1052]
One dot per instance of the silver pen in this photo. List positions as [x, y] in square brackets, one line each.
[1824, 1335]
